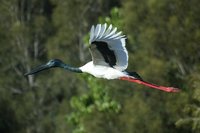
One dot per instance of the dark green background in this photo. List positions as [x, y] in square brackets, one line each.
[163, 40]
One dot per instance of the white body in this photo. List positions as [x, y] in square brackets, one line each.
[111, 43]
[102, 71]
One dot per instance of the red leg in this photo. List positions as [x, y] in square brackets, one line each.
[163, 88]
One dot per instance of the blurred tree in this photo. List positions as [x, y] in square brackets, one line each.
[165, 45]
[23, 32]
[34, 31]
[162, 40]
[96, 102]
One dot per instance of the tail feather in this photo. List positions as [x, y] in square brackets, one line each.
[135, 75]
[162, 88]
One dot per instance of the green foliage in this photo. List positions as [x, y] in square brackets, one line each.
[163, 44]
[115, 18]
[191, 118]
[97, 100]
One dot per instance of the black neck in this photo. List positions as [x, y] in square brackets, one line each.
[72, 69]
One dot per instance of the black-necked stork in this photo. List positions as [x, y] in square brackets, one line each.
[109, 58]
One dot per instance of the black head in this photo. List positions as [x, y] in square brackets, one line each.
[48, 65]
[54, 63]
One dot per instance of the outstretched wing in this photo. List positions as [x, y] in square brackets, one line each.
[108, 47]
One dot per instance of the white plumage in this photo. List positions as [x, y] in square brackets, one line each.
[108, 51]
[115, 41]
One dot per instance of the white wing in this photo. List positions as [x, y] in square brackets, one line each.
[108, 47]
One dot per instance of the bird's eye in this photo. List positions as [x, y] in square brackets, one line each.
[50, 62]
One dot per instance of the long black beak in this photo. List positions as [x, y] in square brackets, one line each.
[37, 69]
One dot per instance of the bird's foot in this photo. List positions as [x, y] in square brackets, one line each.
[170, 89]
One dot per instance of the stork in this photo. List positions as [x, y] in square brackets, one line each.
[109, 58]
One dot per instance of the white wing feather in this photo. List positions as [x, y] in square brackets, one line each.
[103, 29]
[97, 30]
[92, 33]
[107, 31]
[111, 33]
[115, 41]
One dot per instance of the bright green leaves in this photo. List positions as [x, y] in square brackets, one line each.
[115, 18]
[96, 100]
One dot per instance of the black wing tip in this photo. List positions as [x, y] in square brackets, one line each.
[135, 75]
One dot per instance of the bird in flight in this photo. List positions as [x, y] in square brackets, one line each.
[109, 58]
